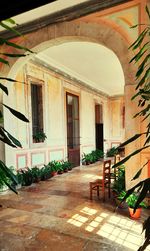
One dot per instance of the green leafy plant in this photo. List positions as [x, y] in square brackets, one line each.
[6, 175]
[142, 93]
[36, 174]
[39, 136]
[66, 164]
[119, 183]
[131, 200]
[92, 157]
[45, 172]
[112, 152]
[27, 177]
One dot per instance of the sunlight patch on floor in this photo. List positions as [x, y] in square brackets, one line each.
[120, 230]
[89, 211]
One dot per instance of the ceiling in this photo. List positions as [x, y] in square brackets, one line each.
[89, 62]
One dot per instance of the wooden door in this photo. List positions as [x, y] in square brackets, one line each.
[73, 129]
[99, 127]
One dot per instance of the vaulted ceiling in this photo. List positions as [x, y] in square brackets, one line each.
[89, 62]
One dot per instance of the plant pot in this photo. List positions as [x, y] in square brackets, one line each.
[137, 213]
[60, 172]
[65, 170]
[54, 173]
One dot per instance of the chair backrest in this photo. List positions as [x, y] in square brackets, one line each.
[106, 171]
[117, 158]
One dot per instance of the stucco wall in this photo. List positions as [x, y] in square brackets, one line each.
[2, 150]
[54, 116]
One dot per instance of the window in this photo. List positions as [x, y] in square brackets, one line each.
[37, 112]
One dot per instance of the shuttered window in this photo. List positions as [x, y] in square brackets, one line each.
[37, 108]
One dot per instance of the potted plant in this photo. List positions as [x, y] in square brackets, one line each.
[45, 172]
[36, 173]
[27, 177]
[131, 202]
[87, 158]
[119, 186]
[53, 167]
[39, 136]
[59, 168]
[112, 152]
[67, 166]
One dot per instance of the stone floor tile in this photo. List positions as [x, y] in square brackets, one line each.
[57, 215]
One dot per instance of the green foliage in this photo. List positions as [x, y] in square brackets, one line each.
[92, 157]
[6, 175]
[119, 183]
[39, 136]
[25, 176]
[66, 165]
[36, 174]
[112, 152]
[131, 200]
[141, 47]
[45, 172]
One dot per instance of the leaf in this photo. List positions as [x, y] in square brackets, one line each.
[146, 117]
[146, 225]
[8, 172]
[11, 80]
[145, 190]
[139, 172]
[10, 20]
[2, 60]
[4, 88]
[16, 113]
[10, 187]
[140, 53]
[143, 79]
[136, 136]
[141, 67]
[138, 40]
[9, 28]
[14, 55]
[18, 46]
[5, 139]
[129, 156]
[14, 140]
[133, 97]
[14, 45]
[147, 10]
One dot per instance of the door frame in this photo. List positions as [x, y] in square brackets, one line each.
[76, 94]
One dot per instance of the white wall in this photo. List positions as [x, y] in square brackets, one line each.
[54, 102]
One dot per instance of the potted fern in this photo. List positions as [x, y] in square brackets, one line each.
[131, 201]
[39, 136]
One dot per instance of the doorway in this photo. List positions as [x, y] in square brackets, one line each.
[99, 127]
[73, 129]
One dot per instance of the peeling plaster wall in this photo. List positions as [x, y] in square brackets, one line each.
[2, 148]
[54, 112]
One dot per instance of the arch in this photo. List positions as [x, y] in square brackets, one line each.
[73, 31]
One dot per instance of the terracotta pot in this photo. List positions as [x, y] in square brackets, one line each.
[137, 213]
[54, 173]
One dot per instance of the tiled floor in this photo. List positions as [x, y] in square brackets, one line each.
[57, 215]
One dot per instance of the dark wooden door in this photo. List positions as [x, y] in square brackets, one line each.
[99, 127]
[99, 137]
[73, 130]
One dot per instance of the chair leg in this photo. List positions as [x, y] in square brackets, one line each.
[91, 197]
[103, 193]
[109, 188]
[98, 191]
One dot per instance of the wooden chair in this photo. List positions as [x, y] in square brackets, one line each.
[115, 170]
[103, 183]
